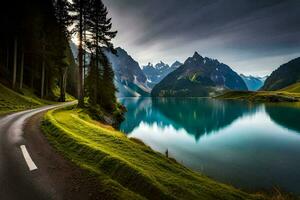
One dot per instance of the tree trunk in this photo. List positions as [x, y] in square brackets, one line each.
[63, 85]
[43, 79]
[80, 59]
[15, 63]
[32, 78]
[7, 60]
[22, 71]
[84, 68]
[47, 84]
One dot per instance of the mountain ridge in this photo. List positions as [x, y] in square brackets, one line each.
[155, 73]
[285, 75]
[130, 79]
[199, 76]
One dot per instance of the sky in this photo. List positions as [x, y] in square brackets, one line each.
[251, 36]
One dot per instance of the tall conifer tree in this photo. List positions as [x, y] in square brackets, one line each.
[79, 8]
[101, 35]
[64, 20]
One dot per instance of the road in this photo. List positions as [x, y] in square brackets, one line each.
[31, 169]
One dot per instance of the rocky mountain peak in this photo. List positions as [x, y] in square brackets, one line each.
[176, 64]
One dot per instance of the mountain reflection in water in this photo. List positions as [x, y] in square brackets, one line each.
[251, 146]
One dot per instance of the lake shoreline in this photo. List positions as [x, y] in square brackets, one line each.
[60, 137]
[194, 128]
[261, 96]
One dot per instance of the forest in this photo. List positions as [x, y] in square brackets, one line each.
[35, 51]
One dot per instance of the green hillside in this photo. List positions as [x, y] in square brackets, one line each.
[127, 169]
[285, 75]
[261, 96]
[11, 101]
[294, 88]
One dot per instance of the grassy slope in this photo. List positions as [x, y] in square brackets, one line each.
[295, 88]
[128, 169]
[56, 92]
[11, 101]
[263, 96]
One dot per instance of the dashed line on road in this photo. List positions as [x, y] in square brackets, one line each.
[28, 159]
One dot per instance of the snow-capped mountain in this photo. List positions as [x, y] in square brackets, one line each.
[155, 73]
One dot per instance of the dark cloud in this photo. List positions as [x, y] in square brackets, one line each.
[253, 36]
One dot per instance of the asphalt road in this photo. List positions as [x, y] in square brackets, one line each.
[31, 169]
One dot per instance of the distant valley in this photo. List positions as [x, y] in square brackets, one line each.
[254, 83]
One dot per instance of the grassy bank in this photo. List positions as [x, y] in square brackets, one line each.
[262, 96]
[127, 169]
[295, 88]
[11, 101]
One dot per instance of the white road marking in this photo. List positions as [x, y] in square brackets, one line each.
[28, 159]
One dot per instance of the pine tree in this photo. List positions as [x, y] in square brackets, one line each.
[101, 35]
[79, 7]
[92, 82]
[64, 20]
[109, 98]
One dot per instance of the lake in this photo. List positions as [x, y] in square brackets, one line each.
[248, 145]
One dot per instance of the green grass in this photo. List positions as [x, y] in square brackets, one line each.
[11, 101]
[261, 96]
[295, 88]
[128, 169]
[56, 92]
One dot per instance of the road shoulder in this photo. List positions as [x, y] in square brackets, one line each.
[65, 179]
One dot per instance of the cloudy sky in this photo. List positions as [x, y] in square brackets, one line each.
[252, 36]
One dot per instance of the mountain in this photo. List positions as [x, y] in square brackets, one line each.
[199, 76]
[155, 73]
[287, 74]
[130, 79]
[253, 83]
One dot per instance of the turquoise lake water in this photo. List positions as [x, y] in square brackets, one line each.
[251, 146]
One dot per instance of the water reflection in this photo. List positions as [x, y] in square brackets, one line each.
[251, 146]
[287, 116]
[198, 116]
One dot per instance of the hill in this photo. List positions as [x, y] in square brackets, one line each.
[199, 77]
[11, 101]
[287, 74]
[261, 96]
[294, 88]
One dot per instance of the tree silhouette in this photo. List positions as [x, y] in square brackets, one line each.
[64, 20]
[99, 27]
[79, 7]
